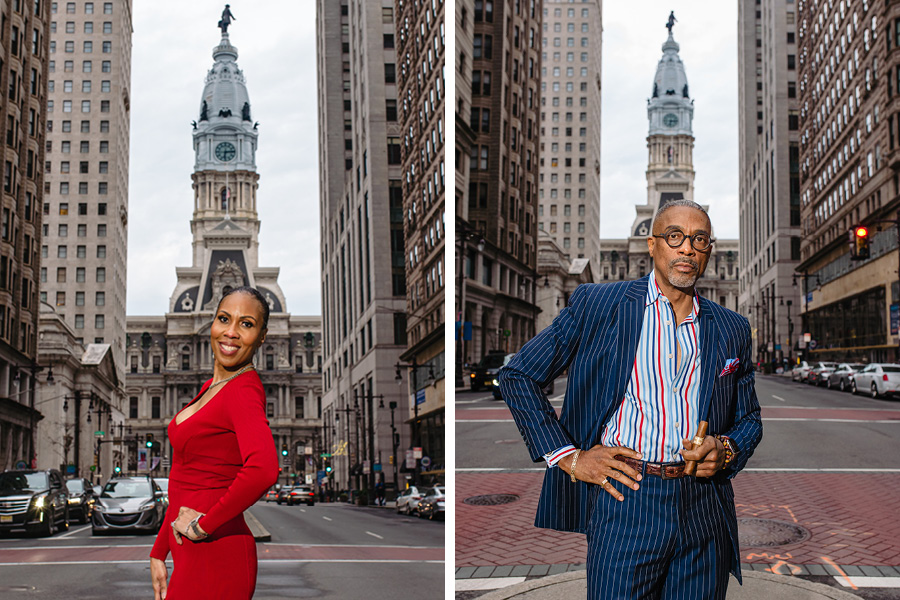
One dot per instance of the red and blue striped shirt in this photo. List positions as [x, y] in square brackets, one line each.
[662, 398]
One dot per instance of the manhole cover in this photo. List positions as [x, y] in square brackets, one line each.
[491, 499]
[765, 533]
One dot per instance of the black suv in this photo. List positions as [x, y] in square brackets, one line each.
[34, 501]
[486, 371]
[81, 499]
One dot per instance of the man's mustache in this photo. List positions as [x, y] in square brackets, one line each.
[684, 261]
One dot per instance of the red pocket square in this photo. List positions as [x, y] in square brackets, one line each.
[731, 366]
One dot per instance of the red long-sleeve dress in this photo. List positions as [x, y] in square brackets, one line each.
[223, 460]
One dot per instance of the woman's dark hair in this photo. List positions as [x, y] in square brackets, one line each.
[252, 291]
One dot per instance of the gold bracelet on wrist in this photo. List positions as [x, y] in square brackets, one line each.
[575, 456]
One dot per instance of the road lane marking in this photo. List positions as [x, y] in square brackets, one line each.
[74, 531]
[375, 535]
[868, 582]
[327, 518]
[486, 583]
[778, 398]
[302, 510]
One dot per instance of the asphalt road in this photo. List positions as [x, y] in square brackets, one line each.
[323, 551]
[804, 428]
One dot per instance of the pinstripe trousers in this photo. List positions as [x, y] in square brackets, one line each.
[666, 541]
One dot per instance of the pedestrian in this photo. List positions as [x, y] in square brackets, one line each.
[223, 461]
[648, 361]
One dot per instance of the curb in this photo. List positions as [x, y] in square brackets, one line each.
[260, 533]
[573, 584]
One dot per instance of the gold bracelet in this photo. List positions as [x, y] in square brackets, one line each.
[574, 462]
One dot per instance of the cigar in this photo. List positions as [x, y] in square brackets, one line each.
[690, 466]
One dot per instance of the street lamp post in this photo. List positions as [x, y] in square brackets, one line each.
[368, 400]
[465, 233]
[347, 411]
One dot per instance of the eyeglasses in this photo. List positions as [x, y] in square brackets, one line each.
[700, 242]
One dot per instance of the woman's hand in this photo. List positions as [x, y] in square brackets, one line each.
[180, 525]
[159, 575]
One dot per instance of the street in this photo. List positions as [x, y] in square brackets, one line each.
[818, 499]
[323, 551]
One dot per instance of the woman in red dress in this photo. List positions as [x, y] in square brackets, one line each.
[223, 460]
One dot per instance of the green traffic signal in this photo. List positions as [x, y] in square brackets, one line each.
[328, 469]
[149, 440]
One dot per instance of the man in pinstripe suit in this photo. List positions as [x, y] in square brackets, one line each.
[648, 360]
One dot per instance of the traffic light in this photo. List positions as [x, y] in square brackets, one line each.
[328, 468]
[149, 440]
[284, 450]
[859, 243]
[118, 468]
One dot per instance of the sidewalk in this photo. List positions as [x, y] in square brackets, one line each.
[567, 586]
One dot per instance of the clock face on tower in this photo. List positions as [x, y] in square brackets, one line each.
[225, 151]
[670, 120]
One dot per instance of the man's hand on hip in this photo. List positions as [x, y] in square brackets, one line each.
[598, 465]
[710, 456]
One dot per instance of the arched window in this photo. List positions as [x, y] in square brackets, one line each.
[226, 196]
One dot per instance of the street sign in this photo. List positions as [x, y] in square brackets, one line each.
[322, 476]
[417, 452]
[895, 318]
[377, 467]
[99, 433]
[365, 467]
[307, 450]
[426, 462]
[410, 459]
[807, 337]
[93, 468]
[420, 396]
[812, 344]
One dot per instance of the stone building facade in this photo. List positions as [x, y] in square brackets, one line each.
[569, 192]
[84, 249]
[168, 357]
[363, 249]
[769, 176]
[497, 231]
[848, 61]
[24, 53]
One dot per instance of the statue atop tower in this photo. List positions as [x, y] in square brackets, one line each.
[226, 19]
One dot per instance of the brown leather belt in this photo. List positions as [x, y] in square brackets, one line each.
[664, 470]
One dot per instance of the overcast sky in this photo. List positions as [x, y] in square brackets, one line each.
[633, 34]
[172, 51]
[276, 42]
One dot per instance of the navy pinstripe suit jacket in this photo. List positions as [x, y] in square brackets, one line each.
[596, 338]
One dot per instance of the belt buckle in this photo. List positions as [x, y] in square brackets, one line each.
[662, 471]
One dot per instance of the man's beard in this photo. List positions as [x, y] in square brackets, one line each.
[683, 280]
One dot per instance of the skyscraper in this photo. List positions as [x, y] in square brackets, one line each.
[569, 195]
[769, 175]
[849, 139]
[85, 205]
[364, 257]
[497, 230]
[24, 54]
[420, 48]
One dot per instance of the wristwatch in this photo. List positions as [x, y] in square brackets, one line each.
[195, 528]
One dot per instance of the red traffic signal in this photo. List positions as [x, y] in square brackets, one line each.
[859, 243]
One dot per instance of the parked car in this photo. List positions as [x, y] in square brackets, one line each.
[841, 377]
[432, 504]
[81, 499]
[486, 370]
[814, 376]
[129, 504]
[408, 500]
[877, 379]
[302, 494]
[800, 371]
[34, 501]
[495, 384]
[271, 495]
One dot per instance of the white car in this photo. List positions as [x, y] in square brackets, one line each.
[842, 376]
[878, 379]
[408, 500]
[800, 371]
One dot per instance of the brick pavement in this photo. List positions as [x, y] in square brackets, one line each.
[852, 519]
